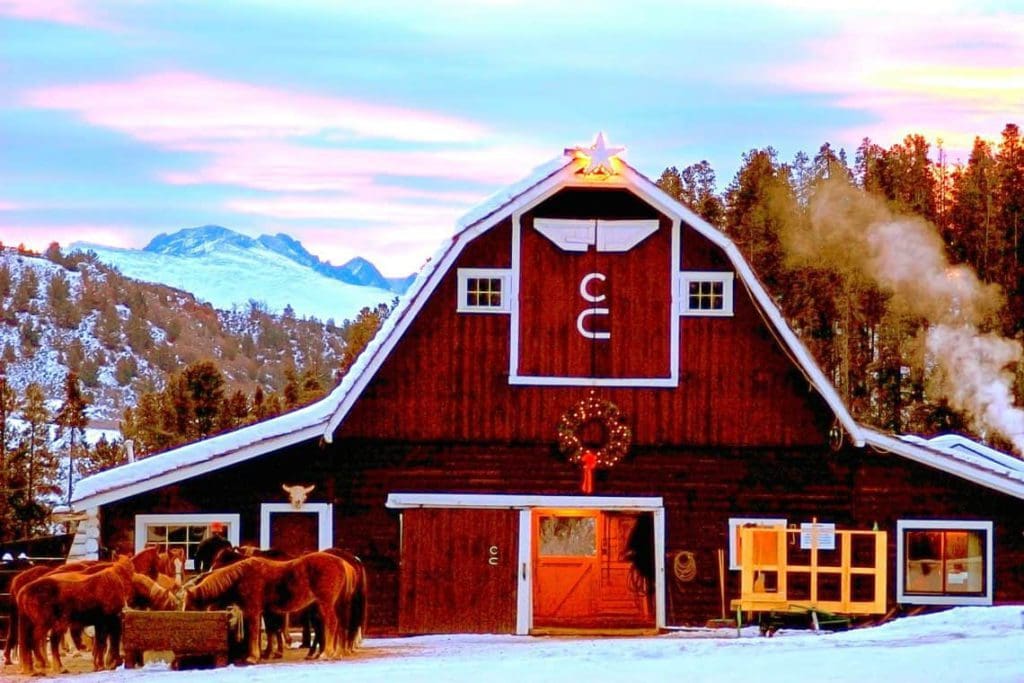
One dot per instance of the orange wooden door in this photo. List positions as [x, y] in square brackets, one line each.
[458, 571]
[566, 570]
[295, 533]
[585, 570]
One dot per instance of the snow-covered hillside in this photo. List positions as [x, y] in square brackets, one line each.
[229, 270]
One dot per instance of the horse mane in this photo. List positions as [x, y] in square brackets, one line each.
[151, 592]
[219, 581]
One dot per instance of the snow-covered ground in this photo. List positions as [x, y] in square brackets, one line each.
[963, 644]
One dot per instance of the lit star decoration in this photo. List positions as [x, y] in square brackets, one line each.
[600, 158]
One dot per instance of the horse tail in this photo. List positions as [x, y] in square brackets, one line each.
[355, 623]
[357, 616]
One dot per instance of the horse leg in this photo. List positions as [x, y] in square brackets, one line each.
[114, 633]
[99, 645]
[253, 620]
[56, 636]
[274, 624]
[330, 622]
[12, 634]
[312, 622]
[25, 645]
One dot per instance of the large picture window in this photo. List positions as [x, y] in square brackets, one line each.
[183, 532]
[944, 562]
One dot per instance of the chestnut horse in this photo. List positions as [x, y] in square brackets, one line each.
[259, 585]
[145, 562]
[274, 624]
[65, 599]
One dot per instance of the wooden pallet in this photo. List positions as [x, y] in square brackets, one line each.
[187, 634]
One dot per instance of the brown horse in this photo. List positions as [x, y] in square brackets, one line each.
[144, 562]
[258, 585]
[352, 613]
[59, 601]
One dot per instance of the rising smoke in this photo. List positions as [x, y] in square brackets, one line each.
[856, 235]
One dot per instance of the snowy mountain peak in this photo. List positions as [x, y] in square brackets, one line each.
[231, 270]
[203, 240]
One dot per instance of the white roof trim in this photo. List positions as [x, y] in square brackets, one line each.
[983, 471]
[211, 454]
[520, 501]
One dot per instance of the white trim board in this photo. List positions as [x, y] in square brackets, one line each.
[514, 501]
[325, 515]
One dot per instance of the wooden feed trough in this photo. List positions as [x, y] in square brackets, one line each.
[187, 634]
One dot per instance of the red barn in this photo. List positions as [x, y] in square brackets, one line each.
[563, 425]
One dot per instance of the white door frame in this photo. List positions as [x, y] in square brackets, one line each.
[526, 504]
[324, 511]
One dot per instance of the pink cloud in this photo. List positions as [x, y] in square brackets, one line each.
[10, 206]
[71, 12]
[952, 74]
[288, 167]
[184, 111]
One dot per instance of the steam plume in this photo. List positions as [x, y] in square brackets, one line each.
[855, 234]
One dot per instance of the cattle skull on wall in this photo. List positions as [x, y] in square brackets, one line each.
[297, 494]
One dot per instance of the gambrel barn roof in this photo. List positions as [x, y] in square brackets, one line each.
[321, 419]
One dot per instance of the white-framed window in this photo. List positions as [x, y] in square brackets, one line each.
[183, 531]
[705, 293]
[737, 523]
[943, 562]
[484, 290]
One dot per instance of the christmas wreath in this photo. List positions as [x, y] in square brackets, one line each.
[617, 436]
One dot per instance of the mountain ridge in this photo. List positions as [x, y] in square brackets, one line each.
[230, 270]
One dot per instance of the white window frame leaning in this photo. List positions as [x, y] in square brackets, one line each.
[727, 278]
[503, 274]
[904, 525]
[232, 521]
[736, 522]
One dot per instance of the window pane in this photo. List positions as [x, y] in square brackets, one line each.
[574, 536]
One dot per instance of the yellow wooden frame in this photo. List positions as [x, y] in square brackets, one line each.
[755, 597]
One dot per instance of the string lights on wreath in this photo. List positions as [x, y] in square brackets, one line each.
[615, 443]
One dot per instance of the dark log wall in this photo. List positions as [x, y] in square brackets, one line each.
[702, 488]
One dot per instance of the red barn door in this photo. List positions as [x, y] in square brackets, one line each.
[458, 571]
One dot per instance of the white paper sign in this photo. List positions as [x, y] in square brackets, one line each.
[822, 536]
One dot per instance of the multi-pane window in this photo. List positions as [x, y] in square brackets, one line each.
[706, 293]
[945, 563]
[483, 290]
[181, 532]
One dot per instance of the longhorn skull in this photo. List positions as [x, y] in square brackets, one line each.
[297, 493]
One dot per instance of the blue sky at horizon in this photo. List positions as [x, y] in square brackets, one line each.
[369, 132]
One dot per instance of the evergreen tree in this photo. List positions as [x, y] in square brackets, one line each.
[9, 405]
[40, 467]
[72, 421]
[205, 385]
[1010, 197]
[104, 455]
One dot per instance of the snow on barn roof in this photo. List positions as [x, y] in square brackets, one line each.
[324, 417]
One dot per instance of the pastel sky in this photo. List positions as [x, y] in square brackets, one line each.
[369, 128]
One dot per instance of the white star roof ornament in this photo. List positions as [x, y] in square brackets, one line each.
[599, 157]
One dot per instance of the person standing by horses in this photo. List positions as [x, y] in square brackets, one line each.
[210, 546]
